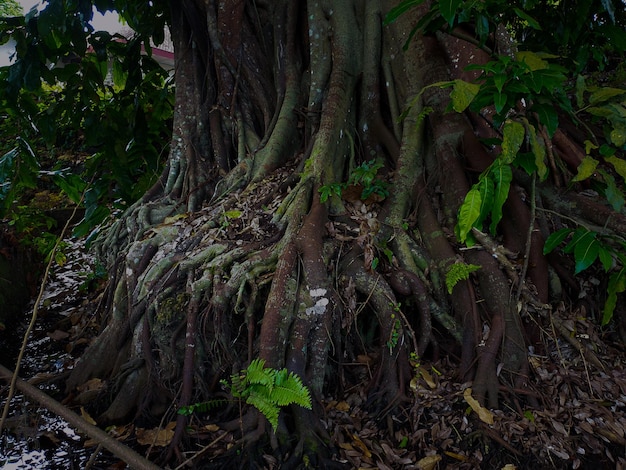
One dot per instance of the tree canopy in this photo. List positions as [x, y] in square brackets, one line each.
[328, 197]
[10, 8]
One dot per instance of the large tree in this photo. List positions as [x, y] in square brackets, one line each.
[315, 196]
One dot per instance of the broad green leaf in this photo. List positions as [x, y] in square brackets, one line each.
[613, 194]
[605, 94]
[618, 135]
[448, 9]
[586, 252]
[531, 59]
[605, 258]
[50, 23]
[499, 80]
[539, 151]
[601, 111]
[618, 164]
[617, 285]
[547, 116]
[463, 93]
[468, 213]
[400, 9]
[513, 138]
[533, 23]
[555, 239]
[578, 235]
[486, 189]
[499, 101]
[586, 168]
[502, 175]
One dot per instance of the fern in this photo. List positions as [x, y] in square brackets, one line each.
[202, 407]
[268, 389]
[459, 272]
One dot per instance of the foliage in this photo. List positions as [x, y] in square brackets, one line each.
[10, 8]
[363, 176]
[202, 407]
[268, 389]
[589, 246]
[459, 272]
[585, 35]
[117, 117]
[527, 90]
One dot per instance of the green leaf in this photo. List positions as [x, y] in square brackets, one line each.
[605, 94]
[486, 189]
[605, 258]
[448, 9]
[533, 60]
[589, 146]
[499, 101]
[586, 168]
[547, 116]
[400, 9]
[539, 151]
[617, 285]
[618, 135]
[613, 194]
[462, 95]
[618, 164]
[586, 251]
[502, 175]
[513, 138]
[499, 80]
[555, 239]
[468, 213]
[533, 23]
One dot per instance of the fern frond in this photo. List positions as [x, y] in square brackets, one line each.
[257, 373]
[459, 272]
[266, 407]
[284, 396]
[202, 407]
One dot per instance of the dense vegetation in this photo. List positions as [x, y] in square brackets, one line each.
[346, 183]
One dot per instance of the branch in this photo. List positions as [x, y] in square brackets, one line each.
[132, 458]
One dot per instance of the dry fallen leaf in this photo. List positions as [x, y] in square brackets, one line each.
[158, 437]
[429, 462]
[342, 406]
[86, 416]
[359, 444]
[484, 414]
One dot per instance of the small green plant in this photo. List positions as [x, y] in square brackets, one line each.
[589, 246]
[364, 176]
[202, 407]
[268, 389]
[394, 336]
[459, 272]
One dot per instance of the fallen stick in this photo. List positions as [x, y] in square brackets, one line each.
[132, 458]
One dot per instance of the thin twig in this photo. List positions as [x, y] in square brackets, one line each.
[529, 235]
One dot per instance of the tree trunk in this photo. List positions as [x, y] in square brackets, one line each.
[236, 253]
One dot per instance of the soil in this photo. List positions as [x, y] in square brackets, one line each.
[578, 419]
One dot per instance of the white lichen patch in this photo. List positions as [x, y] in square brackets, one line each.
[317, 292]
[320, 306]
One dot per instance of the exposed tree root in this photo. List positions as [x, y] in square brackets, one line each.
[234, 255]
